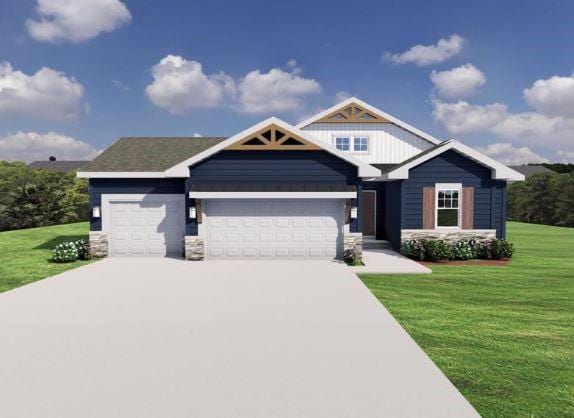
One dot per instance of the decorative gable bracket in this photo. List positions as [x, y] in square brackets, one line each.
[273, 138]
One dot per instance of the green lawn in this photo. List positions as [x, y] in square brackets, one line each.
[503, 335]
[25, 255]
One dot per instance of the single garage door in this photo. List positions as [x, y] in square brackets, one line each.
[153, 225]
[274, 228]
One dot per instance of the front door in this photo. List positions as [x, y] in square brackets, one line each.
[368, 213]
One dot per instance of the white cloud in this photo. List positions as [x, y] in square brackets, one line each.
[180, 85]
[47, 93]
[508, 154]
[461, 117]
[76, 20]
[458, 82]
[275, 91]
[294, 67]
[120, 85]
[33, 146]
[341, 96]
[553, 96]
[422, 55]
[197, 135]
[566, 157]
[529, 128]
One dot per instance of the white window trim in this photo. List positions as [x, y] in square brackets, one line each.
[352, 143]
[448, 186]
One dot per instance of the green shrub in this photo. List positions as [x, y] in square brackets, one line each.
[65, 252]
[462, 250]
[83, 248]
[500, 248]
[352, 257]
[437, 250]
[414, 249]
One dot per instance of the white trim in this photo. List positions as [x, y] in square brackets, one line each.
[182, 169]
[120, 174]
[374, 214]
[108, 199]
[448, 186]
[272, 195]
[371, 109]
[499, 170]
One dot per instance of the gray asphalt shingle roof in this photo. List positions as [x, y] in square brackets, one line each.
[149, 154]
[529, 170]
[59, 166]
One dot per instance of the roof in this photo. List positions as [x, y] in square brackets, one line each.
[499, 170]
[374, 110]
[182, 168]
[529, 170]
[272, 188]
[59, 166]
[148, 154]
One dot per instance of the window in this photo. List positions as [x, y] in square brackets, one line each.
[448, 205]
[361, 144]
[343, 143]
[352, 143]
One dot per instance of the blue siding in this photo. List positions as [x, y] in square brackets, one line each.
[97, 187]
[273, 167]
[452, 167]
[393, 216]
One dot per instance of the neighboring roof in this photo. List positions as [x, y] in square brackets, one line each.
[374, 110]
[272, 188]
[182, 169]
[529, 170]
[148, 154]
[499, 170]
[59, 166]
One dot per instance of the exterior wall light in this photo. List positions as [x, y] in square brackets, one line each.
[192, 212]
[96, 212]
[354, 213]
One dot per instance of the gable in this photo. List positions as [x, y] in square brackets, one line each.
[352, 113]
[274, 138]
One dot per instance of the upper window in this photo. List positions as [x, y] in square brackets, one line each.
[448, 205]
[352, 143]
[343, 143]
[361, 144]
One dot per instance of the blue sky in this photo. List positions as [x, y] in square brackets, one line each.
[106, 62]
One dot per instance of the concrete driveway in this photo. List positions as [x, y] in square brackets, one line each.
[167, 338]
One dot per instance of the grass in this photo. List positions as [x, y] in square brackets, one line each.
[503, 335]
[25, 255]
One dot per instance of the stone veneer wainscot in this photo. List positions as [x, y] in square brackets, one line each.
[98, 244]
[194, 248]
[449, 235]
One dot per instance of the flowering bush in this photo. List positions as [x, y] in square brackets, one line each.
[500, 248]
[65, 252]
[414, 249]
[437, 250]
[462, 250]
[83, 248]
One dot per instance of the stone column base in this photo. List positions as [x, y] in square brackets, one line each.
[98, 244]
[194, 248]
[353, 242]
[446, 235]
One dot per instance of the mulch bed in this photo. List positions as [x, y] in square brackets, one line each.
[475, 262]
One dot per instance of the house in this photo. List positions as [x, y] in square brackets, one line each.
[59, 166]
[530, 170]
[275, 190]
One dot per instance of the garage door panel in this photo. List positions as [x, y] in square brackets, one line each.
[273, 228]
[152, 228]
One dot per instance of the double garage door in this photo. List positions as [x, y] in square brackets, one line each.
[273, 228]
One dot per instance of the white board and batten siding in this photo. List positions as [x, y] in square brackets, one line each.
[388, 143]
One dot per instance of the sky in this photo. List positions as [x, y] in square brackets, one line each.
[76, 75]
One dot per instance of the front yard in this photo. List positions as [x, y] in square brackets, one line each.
[503, 335]
[25, 255]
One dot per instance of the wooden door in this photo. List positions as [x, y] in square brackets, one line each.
[368, 213]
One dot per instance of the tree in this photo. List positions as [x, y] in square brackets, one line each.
[564, 194]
